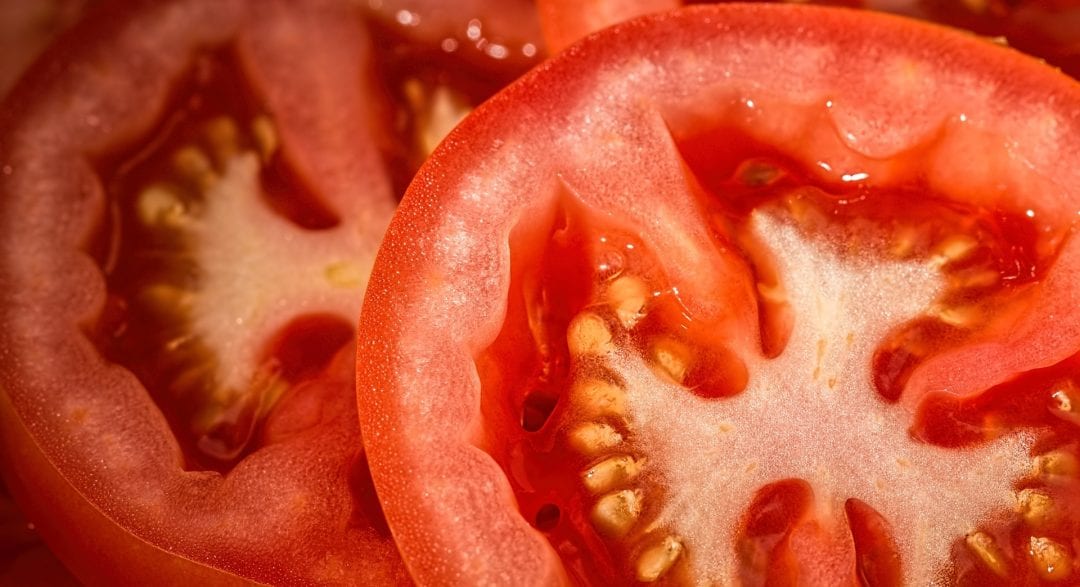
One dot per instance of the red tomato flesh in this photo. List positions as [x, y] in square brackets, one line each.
[738, 293]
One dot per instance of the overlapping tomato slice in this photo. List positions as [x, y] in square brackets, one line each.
[754, 294]
[192, 193]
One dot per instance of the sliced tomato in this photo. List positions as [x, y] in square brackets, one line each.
[191, 198]
[750, 293]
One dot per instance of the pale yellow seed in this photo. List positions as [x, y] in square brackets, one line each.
[615, 513]
[164, 297]
[588, 334]
[592, 438]
[1050, 559]
[984, 547]
[610, 473]
[223, 135]
[806, 214]
[265, 134]
[658, 559]
[977, 279]
[194, 165]
[599, 398]
[1062, 401]
[160, 205]
[1036, 507]
[1056, 464]
[903, 245]
[960, 317]
[444, 110]
[413, 89]
[954, 248]
[672, 358]
[627, 297]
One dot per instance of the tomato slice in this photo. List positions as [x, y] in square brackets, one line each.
[26, 29]
[749, 293]
[565, 22]
[1045, 28]
[192, 196]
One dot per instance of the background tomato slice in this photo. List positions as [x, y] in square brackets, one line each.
[846, 96]
[84, 445]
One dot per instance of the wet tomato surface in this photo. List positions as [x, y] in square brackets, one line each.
[738, 294]
[732, 319]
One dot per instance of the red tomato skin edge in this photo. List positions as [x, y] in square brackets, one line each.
[77, 532]
[411, 451]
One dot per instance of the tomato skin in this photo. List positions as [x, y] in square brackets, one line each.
[86, 452]
[437, 296]
[35, 480]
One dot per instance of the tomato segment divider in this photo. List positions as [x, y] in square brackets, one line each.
[738, 294]
[278, 182]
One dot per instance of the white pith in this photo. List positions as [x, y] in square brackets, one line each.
[258, 271]
[812, 414]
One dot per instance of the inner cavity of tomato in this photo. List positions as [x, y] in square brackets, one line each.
[229, 281]
[685, 455]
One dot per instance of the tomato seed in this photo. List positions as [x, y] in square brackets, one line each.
[627, 296]
[954, 248]
[194, 166]
[436, 111]
[1051, 560]
[656, 560]
[615, 513]
[1035, 507]
[959, 317]
[160, 206]
[588, 334]
[592, 438]
[671, 358]
[223, 136]
[599, 398]
[1056, 464]
[611, 473]
[264, 133]
[987, 551]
